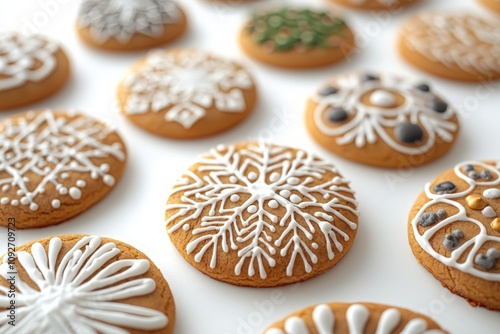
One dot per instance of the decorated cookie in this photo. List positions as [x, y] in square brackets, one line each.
[454, 231]
[186, 93]
[454, 46]
[367, 318]
[261, 215]
[297, 38]
[55, 165]
[84, 284]
[129, 24]
[375, 4]
[491, 4]
[31, 68]
[381, 120]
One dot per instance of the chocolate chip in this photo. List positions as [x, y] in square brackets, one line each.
[474, 175]
[468, 168]
[439, 105]
[424, 88]
[329, 90]
[337, 114]
[370, 77]
[486, 175]
[409, 132]
[445, 187]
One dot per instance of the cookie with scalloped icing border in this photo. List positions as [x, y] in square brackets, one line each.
[56, 164]
[130, 25]
[494, 5]
[456, 46]
[297, 38]
[261, 215]
[186, 93]
[347, 318]
[74, 283]
[32, 68]
[454, 231]
[376, 4]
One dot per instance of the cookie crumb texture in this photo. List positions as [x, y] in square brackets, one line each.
[381, 120]
[186, 93]
[75, 283]
[297, 38]
[31, 68]
[262, 215]
[376, 4]
[54, 165]
[454, 231]
[130, 25]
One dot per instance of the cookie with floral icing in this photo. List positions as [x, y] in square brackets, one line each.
[297, 38]
[344, 318]
[131, 24]
[381, 120]
[454, 231]
[32, 67]
[186, 93]
[494, 5]
[376, 4]
[83, 284]
[261, 215]
[55, 165]
[454, 46]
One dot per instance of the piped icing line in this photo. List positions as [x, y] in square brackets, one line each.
[477, 241]
[382, 2]
[81, 294]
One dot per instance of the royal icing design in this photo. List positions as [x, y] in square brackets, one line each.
[476, 263]
[357, 317]
[52, 148]
[25, 59]
[264, 177]
[350, 120]
[121, 19]
[464, 41]
[386, 3]
[186, 84]
[80, 295]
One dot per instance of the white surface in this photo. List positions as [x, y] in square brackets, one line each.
[380, 266]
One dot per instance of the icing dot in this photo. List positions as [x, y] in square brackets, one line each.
[94, 175]
[14, 202]
[185, 227]
[252, 209]
[273, 204]
[293, 181]
[486, 175]
[33, 206]
[19, 192]
[233, 179]
[5, 187]
[4, 200]
[314, 245]
[56, 204]
[451, 241]
[42, 190]
[221, 147]
[424, 88]
[285, 193]
[104, 168]
[409, 133]
[329, 90]
[109, 180]
[337, 114]
[489, 212]
[445, 188]
[295, 199]
[491, 193]
[274, 177]
[81, 184]
[25, 201]
[382, 98]
[370, 77]
[474, 175]
[18, 165]
[439, 105]
[64, 176]
[63, 190]
[75, 193]
[252, 176]
[488, 260]
[468, 168]
[234, 198]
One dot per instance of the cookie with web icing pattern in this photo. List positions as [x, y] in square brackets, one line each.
[376, 4]
[259, 214]
[454, 231]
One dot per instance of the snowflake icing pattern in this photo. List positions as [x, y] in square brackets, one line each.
[263, 176]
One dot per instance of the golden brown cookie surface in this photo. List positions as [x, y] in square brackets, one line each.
[381, 120]
[31, 68]
[186, 93]
[375, 4]
[343, 318]
[55, 165]
[454, 46]
[261, 215]
[297, 38]
[70, 283]
[129, 25]
[454, 231]
[494, 5]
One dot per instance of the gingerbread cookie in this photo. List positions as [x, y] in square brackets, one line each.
[454, 46]
[262, 215]
[454, 231]
[494, 5]
[296, 38]
[83, 284]
[186, 93]
[381, 120]
[31, 68]
[129, 25]
[55, 165]
[343, 318]
[375, 4]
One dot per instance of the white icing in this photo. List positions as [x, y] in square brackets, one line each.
[250, 236]
[464, 41]
[18, 56]
[491, 193]
[82, 294]
[68, 145]
[489, 212]
[371, 122]
[472, 245]
[186, 84]
[382, 98]
[382, 2]
[357, 316]
[121, 19]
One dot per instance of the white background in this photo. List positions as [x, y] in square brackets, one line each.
[380, 266]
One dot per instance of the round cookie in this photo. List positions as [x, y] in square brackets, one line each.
[494, 5]
[343, 318]
[31, 68]
[375, 4]
[454, 231]
[297, 38]
[186, 93]
[77, 283]
[261, 215]
[55, 165]
[129, 25]
[381, 120]
[454, 46]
